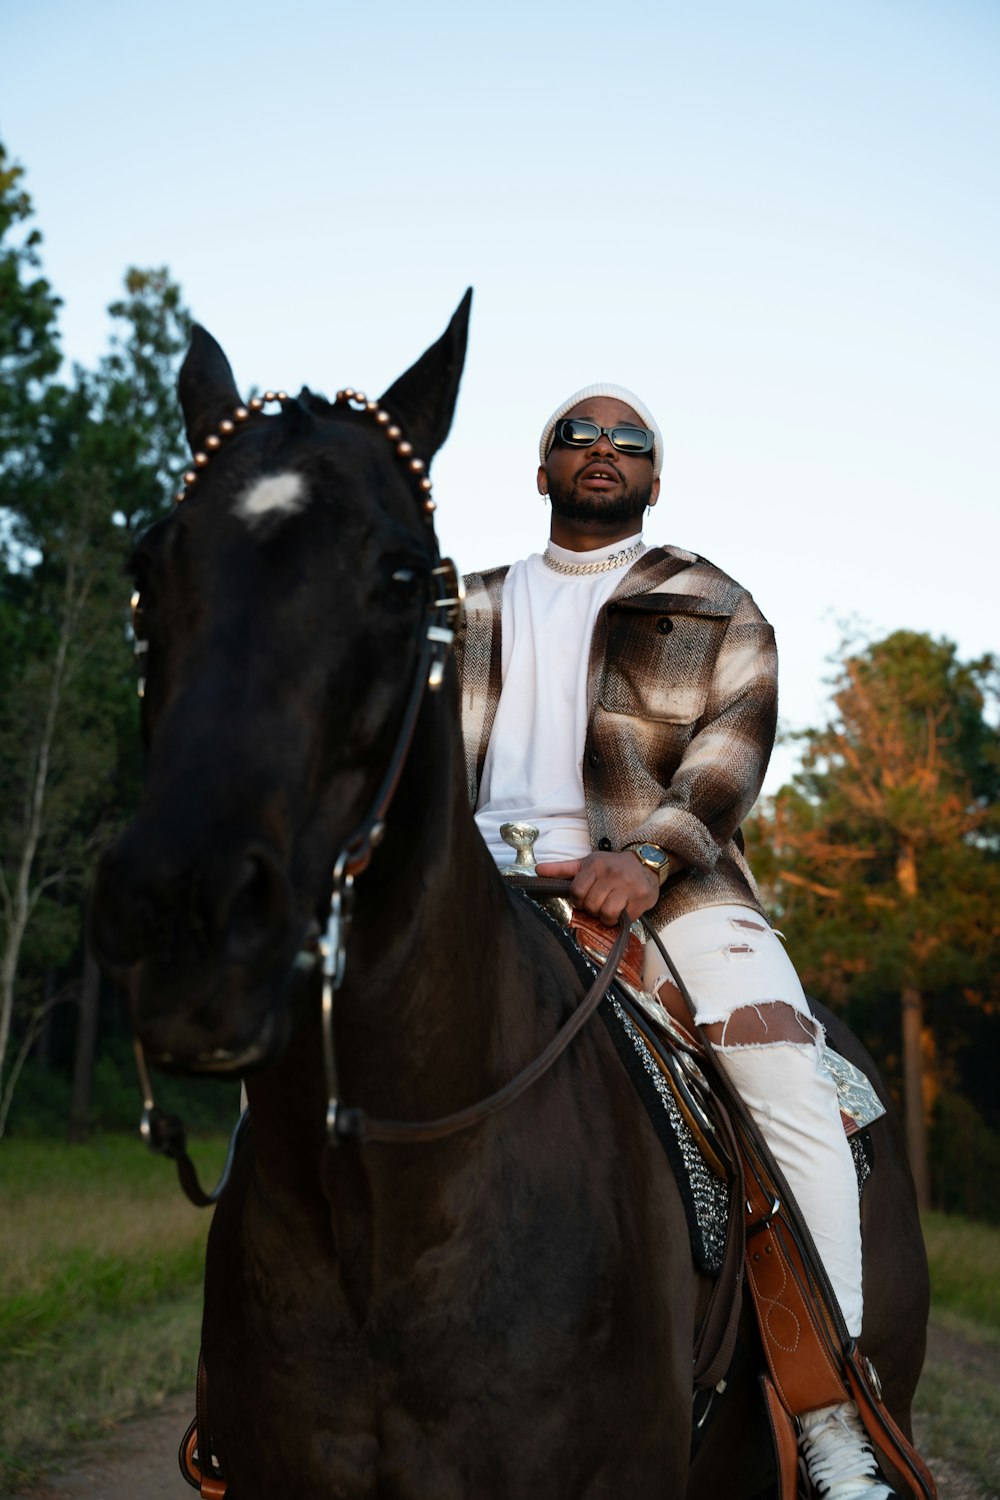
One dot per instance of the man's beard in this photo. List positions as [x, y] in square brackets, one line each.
[570, 505]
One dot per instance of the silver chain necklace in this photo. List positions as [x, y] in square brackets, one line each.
[615, 560]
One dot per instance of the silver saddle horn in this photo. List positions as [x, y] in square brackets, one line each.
[521, 837]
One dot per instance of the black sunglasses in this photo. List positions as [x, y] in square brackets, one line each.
[578, 432]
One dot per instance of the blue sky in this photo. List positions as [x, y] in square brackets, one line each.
[778, 222]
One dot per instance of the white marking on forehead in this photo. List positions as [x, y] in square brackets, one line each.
[275, 495]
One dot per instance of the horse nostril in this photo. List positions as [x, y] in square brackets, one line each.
[119, 916]
[258, 910]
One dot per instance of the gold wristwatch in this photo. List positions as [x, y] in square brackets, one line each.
[654, 858]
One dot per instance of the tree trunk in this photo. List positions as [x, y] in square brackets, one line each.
[42, 1049]
[912, 1005]
[913, 1091]
[85, 1051]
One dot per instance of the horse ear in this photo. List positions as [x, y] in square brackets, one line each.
[423, 400]
[206, 387]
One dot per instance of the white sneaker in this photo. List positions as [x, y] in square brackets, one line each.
[838, 1456]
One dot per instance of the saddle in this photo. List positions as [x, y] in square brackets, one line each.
[811, 1362]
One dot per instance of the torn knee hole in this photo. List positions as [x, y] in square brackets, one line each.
[762, 1025]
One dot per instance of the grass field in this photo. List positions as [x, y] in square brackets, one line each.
[964, 1259]
[100, 1290]
[100, 1301]
[959, 1395]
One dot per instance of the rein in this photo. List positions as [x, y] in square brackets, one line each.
[354, 1124]
[165, 1134]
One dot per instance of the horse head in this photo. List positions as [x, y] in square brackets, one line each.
[282, 612]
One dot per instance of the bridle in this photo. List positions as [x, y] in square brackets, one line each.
[165, 1133]
[445, 616]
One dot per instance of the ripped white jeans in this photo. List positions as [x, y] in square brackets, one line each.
[730, 960]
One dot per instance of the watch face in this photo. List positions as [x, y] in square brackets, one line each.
[651, 855]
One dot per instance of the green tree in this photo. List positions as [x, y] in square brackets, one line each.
[139, 436]
[57, 757]
[29, 342]
[82, 466]
[882, 858]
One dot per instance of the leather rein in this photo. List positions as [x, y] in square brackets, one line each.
[165, 1133]
[354, 1124]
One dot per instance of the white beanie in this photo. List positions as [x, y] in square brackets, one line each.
[617, 393]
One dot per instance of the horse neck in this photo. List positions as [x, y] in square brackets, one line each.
[439, 1004]
[432, 942]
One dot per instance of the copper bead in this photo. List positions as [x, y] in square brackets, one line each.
[226, 426]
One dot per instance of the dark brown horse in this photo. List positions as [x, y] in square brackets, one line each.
[509, 1312]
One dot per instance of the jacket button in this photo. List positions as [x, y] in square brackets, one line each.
[604, 843]
[594, 758]
[664, 625]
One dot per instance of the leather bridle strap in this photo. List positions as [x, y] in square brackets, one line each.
[354, 1124]
[355, 856]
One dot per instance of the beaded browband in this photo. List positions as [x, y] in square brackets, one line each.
[354, 400]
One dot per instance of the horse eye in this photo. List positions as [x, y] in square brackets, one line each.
[407, 583]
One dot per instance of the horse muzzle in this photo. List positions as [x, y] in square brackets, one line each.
[205, 950]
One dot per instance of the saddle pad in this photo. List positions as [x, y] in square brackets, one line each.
[704, 1194]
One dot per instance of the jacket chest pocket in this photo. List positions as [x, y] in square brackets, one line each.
[660, 655]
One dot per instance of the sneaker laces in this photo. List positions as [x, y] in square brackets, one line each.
[839, 1460]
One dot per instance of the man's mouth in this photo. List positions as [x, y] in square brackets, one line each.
[598, 476]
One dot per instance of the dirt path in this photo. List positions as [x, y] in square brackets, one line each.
[950, 1352]
[138, 1461]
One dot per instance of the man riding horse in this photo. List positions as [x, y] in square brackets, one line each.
[431, 1272]
[623, 698]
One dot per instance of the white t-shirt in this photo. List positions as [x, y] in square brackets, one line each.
[533, 771]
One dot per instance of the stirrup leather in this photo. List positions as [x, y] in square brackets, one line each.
[810, 1360]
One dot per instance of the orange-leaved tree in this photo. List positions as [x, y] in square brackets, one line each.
[882, 857]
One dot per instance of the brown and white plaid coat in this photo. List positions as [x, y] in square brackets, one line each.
[682, 689]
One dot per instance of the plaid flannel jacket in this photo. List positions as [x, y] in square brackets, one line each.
[682, 688]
